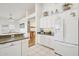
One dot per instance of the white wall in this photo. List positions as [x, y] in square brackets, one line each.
[52, 7]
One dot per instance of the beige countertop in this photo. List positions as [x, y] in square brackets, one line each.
[12, 40]
[7, 37]
[14, 33]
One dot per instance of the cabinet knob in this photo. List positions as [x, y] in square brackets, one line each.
[11, 44]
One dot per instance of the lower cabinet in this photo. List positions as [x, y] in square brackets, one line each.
[11, 49]
[17, 48]
[66, 49]
[24, 47]
[46, 40]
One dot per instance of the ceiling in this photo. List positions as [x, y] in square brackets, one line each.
[18, 10]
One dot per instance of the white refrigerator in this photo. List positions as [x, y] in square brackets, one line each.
[66, 33]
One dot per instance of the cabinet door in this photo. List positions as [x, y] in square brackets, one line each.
[38, 38]
[42, 40]
[41, 23]
[3, 49]
[45, 22]
[24, 47]
[51, 42]
[49, 22]
[15, 50]
[66, 49]
[11, 49]
[47, 40]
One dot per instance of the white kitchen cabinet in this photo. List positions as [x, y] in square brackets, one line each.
[18, 48]
[66, 49]
[41, 39]
[41, 23]
[52, 42]
[45, 22]
[46, 40]
[48, 22]
[38, 38]
[11, 49]
[24, 47]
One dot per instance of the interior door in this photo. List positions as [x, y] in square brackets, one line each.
[32, 38]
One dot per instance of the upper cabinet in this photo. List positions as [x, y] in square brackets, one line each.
[47, 22]
[31, 19]
[49, 13]
[54, 16]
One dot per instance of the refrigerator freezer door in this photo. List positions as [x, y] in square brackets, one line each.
[71, 28]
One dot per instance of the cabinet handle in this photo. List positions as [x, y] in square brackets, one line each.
[11, 44]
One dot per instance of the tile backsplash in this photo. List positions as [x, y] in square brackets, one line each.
[48, 31]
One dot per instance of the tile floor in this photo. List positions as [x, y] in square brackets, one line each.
[39, 50]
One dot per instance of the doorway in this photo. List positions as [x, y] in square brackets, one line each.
[31, 31]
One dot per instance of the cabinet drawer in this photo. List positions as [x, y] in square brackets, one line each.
[66, 50]
[9, 44]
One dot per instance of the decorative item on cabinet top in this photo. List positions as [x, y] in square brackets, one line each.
[67, 6]
[52, 12]
[73, 14]
[56, 11]
[45, 13]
